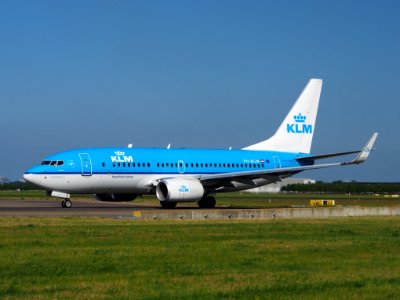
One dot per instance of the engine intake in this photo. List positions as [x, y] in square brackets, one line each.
[179, 190]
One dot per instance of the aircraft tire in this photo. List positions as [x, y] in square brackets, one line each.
[207, 202]
[63, 203]
[68, 203]
[165, 204]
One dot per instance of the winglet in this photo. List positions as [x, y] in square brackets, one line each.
[364, 153]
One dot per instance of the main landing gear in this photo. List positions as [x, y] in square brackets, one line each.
[66, 203]
[207, 202]
[165, 204]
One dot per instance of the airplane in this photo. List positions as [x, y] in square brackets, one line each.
[191, 175]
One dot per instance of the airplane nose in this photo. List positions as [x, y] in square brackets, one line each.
[27, 177]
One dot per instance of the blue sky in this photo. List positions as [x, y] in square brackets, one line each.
[208, 74]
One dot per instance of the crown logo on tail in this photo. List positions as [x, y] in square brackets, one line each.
[299, 118]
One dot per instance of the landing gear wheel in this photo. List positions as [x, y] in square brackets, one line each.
[66, 203]
[207, 202]
[165, 204]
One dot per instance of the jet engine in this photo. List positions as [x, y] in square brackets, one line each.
[179, 190]
[115, 197]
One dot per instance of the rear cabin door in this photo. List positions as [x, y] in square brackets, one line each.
[86, 164]
[277, 162]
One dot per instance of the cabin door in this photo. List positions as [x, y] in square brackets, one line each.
[277, 162]
[86, 164]
[181, 166]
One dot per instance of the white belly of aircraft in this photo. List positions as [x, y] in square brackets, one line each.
[115, 183]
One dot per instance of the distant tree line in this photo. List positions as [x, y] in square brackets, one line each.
[339, 187]
[18, 185]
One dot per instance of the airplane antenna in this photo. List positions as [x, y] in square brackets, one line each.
[230, 148]
[169, 146]
[130, 145]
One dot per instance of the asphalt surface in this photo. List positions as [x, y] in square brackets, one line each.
[80, 208]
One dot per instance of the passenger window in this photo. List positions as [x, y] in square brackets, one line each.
[197, 165]
[103, 164]
[201, 164]
[123, 164]
[119, 164]
[215, 165]
[148, 165]
[114, 165]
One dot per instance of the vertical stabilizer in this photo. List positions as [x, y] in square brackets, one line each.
[296, 132]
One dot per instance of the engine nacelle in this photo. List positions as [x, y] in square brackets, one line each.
[179, 190]
[115, 197]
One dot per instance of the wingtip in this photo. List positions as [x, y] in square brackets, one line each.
[364, 153]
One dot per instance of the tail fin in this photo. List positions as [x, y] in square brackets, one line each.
[296, 132]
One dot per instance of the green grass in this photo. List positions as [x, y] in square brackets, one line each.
[346, 258]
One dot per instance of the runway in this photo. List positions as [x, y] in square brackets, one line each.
[122, 210]
[80, 208]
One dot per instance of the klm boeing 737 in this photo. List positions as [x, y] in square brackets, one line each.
[190, 175]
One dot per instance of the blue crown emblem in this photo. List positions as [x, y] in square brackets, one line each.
[299, 118]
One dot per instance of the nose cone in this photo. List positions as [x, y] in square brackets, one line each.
[33, 176]
[28, 177]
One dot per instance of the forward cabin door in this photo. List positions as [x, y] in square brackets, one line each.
[86, 164]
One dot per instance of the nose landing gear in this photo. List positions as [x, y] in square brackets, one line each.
[66, 203]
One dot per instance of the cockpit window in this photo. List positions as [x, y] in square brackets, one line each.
[54, 163]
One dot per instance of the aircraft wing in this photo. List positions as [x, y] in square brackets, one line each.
[275, 175]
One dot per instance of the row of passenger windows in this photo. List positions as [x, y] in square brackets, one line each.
[192, 165]
[128, 165]
[210, 165]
